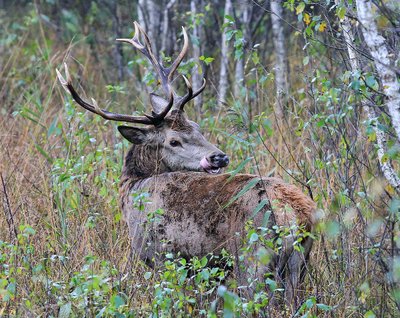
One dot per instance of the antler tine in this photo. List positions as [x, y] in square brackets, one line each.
[94, 108]
[202, 87]
[147, 51]
[167, 108]
[178, 60]
[190, 95]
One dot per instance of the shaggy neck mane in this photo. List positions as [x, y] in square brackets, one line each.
[144, 161]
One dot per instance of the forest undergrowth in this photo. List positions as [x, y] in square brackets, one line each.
[64, 247]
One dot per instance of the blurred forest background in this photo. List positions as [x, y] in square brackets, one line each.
[304, 90]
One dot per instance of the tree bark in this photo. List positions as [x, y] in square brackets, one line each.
[153, 25]
[165, 28]
[223, 73]
[244, 8]
[196, 76]
[149, 18]
[142, 9]
[383, 64]
[118, 52]
[281, 70]
[386, 166]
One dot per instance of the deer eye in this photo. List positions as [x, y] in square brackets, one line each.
[175, 143]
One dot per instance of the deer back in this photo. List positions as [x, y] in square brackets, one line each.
[198, 215]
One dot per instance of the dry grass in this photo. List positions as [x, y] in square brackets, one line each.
[60, 170]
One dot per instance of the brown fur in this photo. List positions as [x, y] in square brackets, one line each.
[196, 220]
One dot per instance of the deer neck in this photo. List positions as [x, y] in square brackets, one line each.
[141, 162]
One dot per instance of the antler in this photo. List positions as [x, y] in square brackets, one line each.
[165, 74]
[94, 108]
[166, 77]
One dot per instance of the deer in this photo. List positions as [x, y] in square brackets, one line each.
[182, 173]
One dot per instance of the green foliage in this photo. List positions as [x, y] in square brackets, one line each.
[234, 34]
[66, 253]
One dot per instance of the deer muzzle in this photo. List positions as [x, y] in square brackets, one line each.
[214, 162]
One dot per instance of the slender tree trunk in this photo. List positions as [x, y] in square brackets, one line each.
[154, 25]
[142, 10]
[281, 70]
[223, 74]
[383, 64]
[118, 52]
[165, 28]
[386, 166]
[244, 9]
[196, 36]
[149, 16]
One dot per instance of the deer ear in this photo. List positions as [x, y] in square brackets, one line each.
[158, 103]
[135, 135]
[194, 124]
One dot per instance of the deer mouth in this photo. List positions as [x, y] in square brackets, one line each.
[208, 167]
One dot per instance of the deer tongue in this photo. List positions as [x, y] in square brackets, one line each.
[208, 167]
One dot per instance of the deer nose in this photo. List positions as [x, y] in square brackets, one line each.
[219, 160]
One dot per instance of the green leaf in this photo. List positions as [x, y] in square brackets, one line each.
[332, 229]
[44, 153]
[203, 261]
[369, 314]
[253, 238]
[230, 18]
[341, 12]
[259, 207]
[370, 80]
[271, 283]
[117, 301]
[65, 311]
[310, 302]
[324, 307]
[239, 168]
[300, 7]
[248, 187]
[147, 275]
[205, 274]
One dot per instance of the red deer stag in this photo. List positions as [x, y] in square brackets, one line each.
[181, 171]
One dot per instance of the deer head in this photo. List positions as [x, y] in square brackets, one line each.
[169, 141]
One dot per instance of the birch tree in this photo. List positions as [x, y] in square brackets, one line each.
[196, 36]
[165, 26]
[243, 18]
[149, 16]
[281, 70]
[384, 66]
[118, 53]
[385, 165]
[142, 12]
[223, 72]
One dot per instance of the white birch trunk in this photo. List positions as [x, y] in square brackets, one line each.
[281, 71]
[142, 8]
[165, 26]
[386, 166]
[118, 53]
[153, 25]
[196, 77]
[239, 65]
[380, 54]
[223, 73]
[239, 76]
